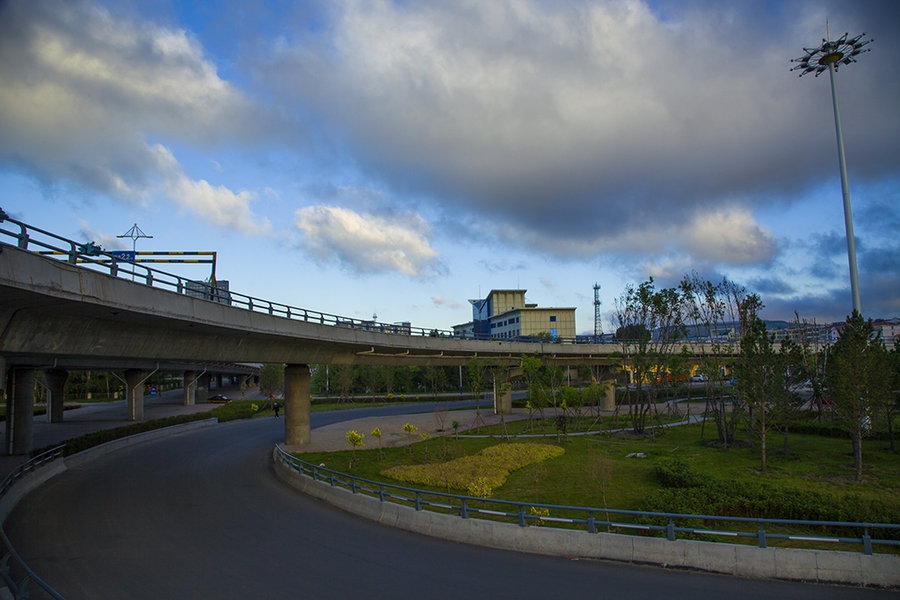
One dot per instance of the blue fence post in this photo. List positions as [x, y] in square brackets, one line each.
[592, 528]
[867, 541]
[464, 509]
[381, 492]
[761, 535]
[354, 486]
[418, 501]
[670, 530]
[522, 522]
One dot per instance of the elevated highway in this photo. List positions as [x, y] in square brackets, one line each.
[66, 306]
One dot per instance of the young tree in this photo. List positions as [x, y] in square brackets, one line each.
[892, 406]
[655, 317]
[712, 312]
[271, 379]
[857, 379]
[760, 373]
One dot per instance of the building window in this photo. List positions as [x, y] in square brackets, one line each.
[553, 318]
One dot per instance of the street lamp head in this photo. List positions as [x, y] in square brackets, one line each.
[835, 53]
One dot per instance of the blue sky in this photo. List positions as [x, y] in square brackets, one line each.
[400, 158]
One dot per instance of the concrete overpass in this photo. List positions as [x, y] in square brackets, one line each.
[81, 308]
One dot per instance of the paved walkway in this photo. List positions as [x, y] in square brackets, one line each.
[331, 438]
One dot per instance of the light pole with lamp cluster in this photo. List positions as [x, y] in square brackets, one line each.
[830, 55]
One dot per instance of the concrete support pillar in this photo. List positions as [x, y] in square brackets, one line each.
[56, 400]
[296, 405]
[609, 395]
[190, 387]
[3, 387]
[20, 411]
[134, 394]
[203, 386]
[502, 395]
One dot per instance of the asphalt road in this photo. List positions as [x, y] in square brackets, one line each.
[201, 515]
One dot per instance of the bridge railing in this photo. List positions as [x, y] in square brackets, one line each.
[18, 576]
[668, 525]
[90, 255]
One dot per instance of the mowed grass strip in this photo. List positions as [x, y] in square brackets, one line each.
[596, 470]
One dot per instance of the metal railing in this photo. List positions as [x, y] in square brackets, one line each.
[592, 520]
[17, 575]
[92, 256]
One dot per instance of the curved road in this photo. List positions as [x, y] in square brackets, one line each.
[201, 515]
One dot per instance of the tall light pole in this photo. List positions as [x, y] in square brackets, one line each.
[830, 55]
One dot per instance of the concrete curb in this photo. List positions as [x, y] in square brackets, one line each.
[820, 566]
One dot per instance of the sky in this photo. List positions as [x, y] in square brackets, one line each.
[398, 158]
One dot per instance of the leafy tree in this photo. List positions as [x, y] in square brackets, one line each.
[892, 406]
[655, 317]
[271, 379]
[712, 312]
[760, 372]
[857, 379]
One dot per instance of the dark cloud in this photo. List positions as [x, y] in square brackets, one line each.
[590, 128]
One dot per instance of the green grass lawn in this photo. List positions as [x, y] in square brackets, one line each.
[596, 470]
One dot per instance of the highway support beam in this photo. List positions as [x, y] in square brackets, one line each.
[190, 388]
[56, 401]
[19, 411]
[296, 405]
[134, 383]
[609, 395]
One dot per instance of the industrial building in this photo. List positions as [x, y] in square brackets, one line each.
[505, 315]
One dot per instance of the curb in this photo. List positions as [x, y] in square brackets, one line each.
[792, 564]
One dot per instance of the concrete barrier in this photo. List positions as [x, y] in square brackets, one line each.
[819, 566]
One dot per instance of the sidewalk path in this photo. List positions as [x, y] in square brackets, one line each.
[331, 438]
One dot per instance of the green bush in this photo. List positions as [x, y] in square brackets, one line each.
[236, 409]
[673, 472]
[761, 500]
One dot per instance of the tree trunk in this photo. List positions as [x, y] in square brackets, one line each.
[857, 452]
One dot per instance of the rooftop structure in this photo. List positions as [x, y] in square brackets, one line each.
[504, 314]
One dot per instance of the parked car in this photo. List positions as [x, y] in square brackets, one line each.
[698, 378]
[218, 398]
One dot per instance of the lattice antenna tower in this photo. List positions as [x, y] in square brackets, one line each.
[598, 326]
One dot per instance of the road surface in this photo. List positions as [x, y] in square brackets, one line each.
[201, 515]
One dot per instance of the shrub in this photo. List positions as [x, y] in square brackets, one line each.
[673, 472]
[482, 472]
[236, 409]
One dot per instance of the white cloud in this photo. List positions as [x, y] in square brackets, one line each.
[578, 125]
[83, 91]
[729, 237]
[217, 205]
[446, 302]
[366, 242]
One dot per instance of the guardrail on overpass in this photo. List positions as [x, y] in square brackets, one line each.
[89, 255]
